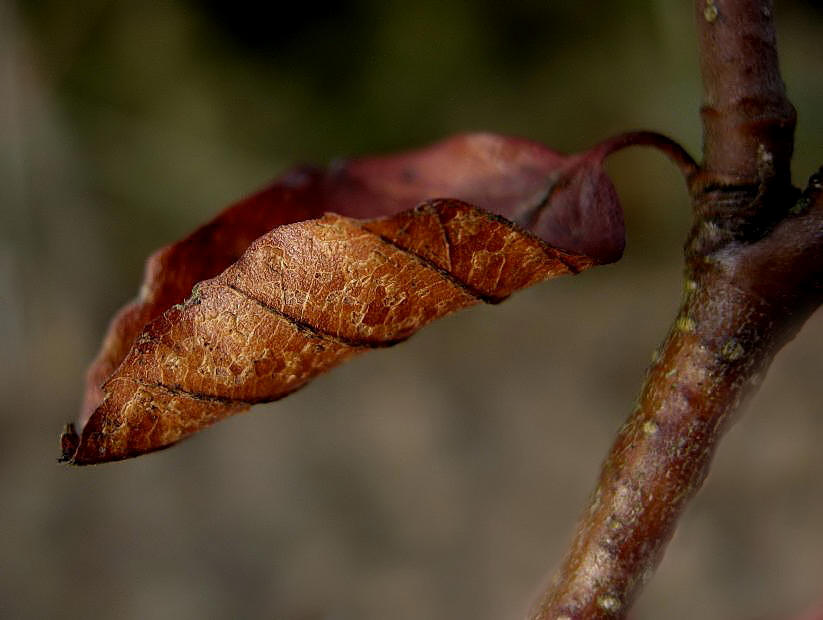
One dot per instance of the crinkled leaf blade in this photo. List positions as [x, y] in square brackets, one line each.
[286, 293]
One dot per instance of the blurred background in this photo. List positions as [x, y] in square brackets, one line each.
[441, 478]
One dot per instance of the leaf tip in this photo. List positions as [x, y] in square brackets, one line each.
[69, 442]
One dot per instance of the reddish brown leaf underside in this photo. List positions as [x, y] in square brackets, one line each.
[270, 314]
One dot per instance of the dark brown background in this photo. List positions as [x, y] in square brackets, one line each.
[438, 479]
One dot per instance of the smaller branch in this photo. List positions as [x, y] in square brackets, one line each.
[748, 123]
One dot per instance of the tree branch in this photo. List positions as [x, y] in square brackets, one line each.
[740, 309]
[754, 274]
[746, 114]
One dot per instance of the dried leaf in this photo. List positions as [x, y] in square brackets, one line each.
[283, 292]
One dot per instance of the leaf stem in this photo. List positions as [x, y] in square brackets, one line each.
[672, 149]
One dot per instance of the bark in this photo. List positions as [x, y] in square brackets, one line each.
[754, 274]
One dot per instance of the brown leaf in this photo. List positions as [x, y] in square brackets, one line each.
[268, 315]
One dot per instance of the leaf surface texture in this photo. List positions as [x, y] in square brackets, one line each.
[328, 263]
